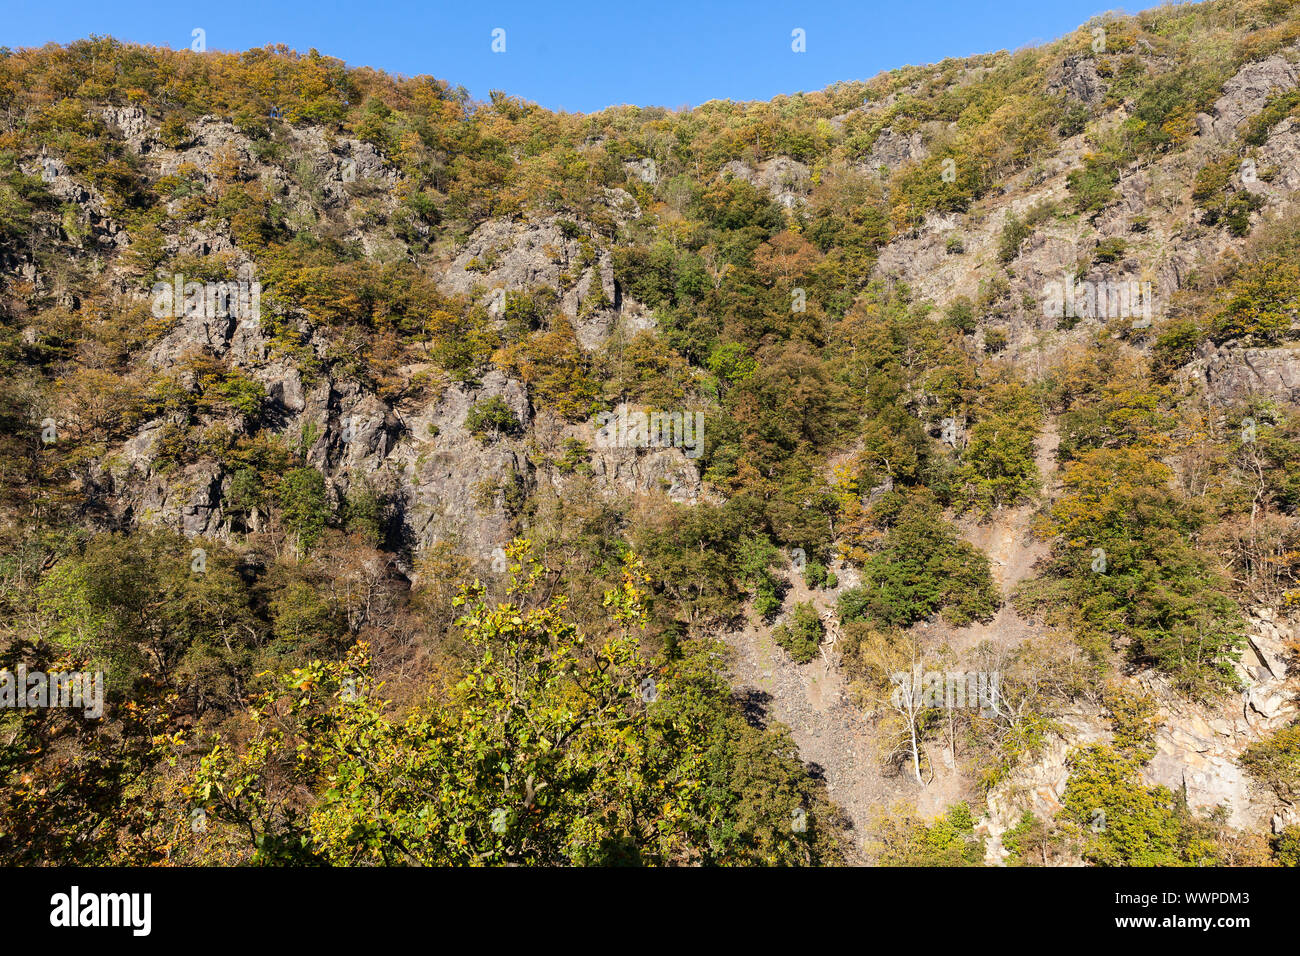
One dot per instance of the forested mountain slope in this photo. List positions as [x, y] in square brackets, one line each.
[318, 437]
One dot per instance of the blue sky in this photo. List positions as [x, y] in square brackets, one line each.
[581, 54]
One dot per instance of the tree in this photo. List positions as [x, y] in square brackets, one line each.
[550, 751]
[892, 668]
[1120, 542]
[921, 568]
[491, 416]
[1276, 761]
[802, 634]
[304, 506]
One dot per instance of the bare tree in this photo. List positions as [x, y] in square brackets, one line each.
[896, 667]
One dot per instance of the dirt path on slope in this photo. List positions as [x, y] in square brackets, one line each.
[1013, 550]
[835, 739]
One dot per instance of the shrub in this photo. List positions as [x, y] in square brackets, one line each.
[961, 315]
[801, 635]
[922, 568]
[1109, 250]
[491, 416]
[947, 841]
[1093, 187]
[305, 505]
[1276, 761]
[1175, 346]
[1013, 234]
[755, 556]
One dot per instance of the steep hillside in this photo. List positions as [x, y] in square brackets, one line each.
[902, 473]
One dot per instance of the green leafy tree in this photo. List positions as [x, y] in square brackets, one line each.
[551, 750]
[304, 506]
[491, 416]
[801, 635]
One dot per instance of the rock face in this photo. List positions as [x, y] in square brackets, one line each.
[92, 211]
[891, 150]
[1280, 158]
[645, 170]
[443, 484]
[457, 487]
[518, 256]
[1189, 764]
[1037, 786]
[657, 467]
[327, 170]
[1152, 214]
[1246, 94]
[1077, 77]
[1197, 746]
[786, 180]
[1233, 376]
[133, 124]
[210, 137]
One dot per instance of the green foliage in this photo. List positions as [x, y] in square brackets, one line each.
[1109, 250]
[533, 742]
[305, 506]
[801, 634]
[816, 576]
[1032, 842]
[1133, 575]
[1262, 302]
[1013, 234]
[948, 841]
[755, 556]
[588, 770]
[491, 416]
[1134, 719]
[691, 553]
[1276, 761]
[20, 196]
[1123, 822]
[1261, 124]
[922, 568]
[731, 364]
[1286, 846]
[1175, 346]
[1093, 186]
[153, 603]
[575, 457]
[961, 315]
[363, 512]
[997, 466]
[1213, 192]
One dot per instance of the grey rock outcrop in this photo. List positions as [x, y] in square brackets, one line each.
[645, 170]
[1246, 93]
[133, 124]
[518, 256]
[1077, 77]
[786, 180]
[891, 150]
[93, 214]
[1235, 375]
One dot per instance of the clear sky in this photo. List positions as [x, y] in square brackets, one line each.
[582, 54]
